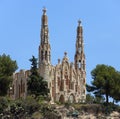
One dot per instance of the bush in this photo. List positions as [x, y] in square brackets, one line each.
[30, 105]
[3, 104]
[49, 112]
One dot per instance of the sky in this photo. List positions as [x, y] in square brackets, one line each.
[20, 24]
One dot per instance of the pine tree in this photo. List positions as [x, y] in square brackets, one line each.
[106, 81]
[36, 84]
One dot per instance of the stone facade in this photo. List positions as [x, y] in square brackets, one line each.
[66, 80]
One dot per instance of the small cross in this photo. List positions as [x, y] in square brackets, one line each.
[44, 10]
[65, 53]
[79, 22]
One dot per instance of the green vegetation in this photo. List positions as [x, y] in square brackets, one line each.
[17, 109]
[105, 84]
[7, 67]
[36, 85]
[31, 108]
[28, 108]
[106, 81]
[94, 99]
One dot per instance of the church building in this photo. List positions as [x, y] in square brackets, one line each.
[66, 80]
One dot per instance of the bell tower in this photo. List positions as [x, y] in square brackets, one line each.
[44, 47]
[79, 58]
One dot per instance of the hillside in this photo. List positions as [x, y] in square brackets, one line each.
[31, 108]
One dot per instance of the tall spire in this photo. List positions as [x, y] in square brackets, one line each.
[79, 41]
[79, 55]
[44, 17]
[44, 48]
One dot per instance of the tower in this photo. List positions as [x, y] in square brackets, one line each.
[66, 80]
[79, 58]
[44, 47]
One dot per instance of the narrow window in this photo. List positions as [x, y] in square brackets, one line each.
[45, 55]
[84, 65]
[79, 64]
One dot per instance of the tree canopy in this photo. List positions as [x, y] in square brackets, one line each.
[106, 81]
[7, 67]
[36, 84]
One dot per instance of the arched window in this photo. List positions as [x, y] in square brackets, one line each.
[71, 98]
[58, 81]
[76, 88]
[83, 64]
[62, 85]
[45, 55]
[67, 81]
[61, 99]
[79, 64]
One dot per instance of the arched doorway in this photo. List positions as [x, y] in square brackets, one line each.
[71, 98]
[61, 99]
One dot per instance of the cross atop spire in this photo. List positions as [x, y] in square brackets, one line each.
[79, 22]
[44, 10]
[65, 53]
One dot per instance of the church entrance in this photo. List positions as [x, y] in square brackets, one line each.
[71, 98]
[62, 100]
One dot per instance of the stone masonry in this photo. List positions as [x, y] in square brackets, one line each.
[66, 80]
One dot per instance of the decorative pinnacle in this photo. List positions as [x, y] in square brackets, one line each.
[79, 22]
[44, 10]
[58, 61]
[65, 53]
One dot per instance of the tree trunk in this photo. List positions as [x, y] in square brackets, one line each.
[107, 99]
[113, 101]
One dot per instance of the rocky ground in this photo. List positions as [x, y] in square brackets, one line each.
[113, 115]
[78, 111]
[86, 115]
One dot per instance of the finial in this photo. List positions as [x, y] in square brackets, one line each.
[65, 53]
[58, 61]
[44, 10]
[79, 22]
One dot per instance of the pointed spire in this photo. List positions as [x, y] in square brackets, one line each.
[79, 55]
[79, 28]
[44, 17]
[44, 48]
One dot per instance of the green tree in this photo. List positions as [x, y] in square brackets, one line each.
[115, 93]
[89, 98]
[99, 99]
[104, 81]
[7, 67]
[36, 84]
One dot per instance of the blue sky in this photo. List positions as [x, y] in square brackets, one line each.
[20, 22]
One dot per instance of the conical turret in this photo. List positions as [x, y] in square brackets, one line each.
[44, 48]
[79, 54]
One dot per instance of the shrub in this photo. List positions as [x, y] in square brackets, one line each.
[3, 104]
